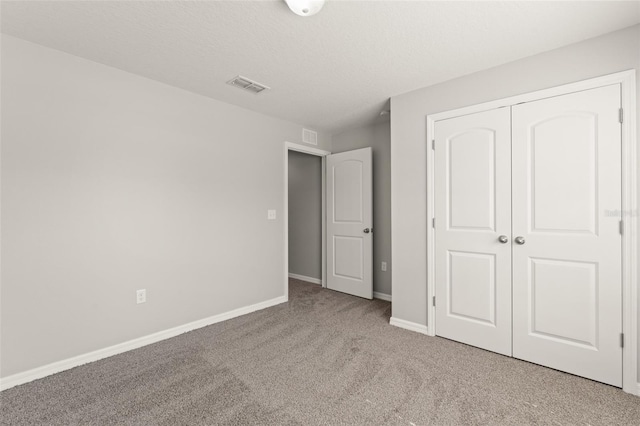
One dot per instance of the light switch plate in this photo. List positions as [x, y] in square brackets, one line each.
[271, 214]
[383, 267]
[141, 296]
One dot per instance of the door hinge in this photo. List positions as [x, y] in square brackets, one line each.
[622, 340]
[621, 115]
[621, 227]
[433, 144]
[433, 222]
[434, 300]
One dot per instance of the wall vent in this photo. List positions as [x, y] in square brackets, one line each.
[309, 136]
[247, 84]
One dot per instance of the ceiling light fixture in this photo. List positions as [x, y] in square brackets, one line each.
[305, 7]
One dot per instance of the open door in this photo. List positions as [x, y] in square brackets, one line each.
[349, 223]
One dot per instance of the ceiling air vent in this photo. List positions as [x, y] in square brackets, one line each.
[247, 84]
[309, 136]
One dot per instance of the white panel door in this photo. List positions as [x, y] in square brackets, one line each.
[473, 229]
[567, 269]
[350, 223]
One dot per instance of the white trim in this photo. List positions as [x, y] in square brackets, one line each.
[408, 325]
[630, 234]
[66, 364]
[627, 80]
[637, 390]
[324, 221]
[305, 278]
[630, 237]
[290, 146]
[306, 149]
[382, 296]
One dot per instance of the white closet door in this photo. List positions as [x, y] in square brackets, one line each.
[349, 222]
[473, 209]
[567, 271]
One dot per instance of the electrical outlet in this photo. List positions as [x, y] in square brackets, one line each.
[383, 267]
[141, 296]
[271, 214]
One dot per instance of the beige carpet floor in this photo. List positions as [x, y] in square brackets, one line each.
[323, 358]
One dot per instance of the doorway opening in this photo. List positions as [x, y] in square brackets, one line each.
[305, 217]
[304, 214]
[347, 219]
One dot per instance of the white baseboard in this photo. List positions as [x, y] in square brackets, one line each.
[408, 325]
[307, 279]
[66, 364]
[382, 296]
[638, 391]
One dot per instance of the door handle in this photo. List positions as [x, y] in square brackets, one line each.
[519, 240]
[367, 230]
[503, 239]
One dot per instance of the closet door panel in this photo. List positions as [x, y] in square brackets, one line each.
[567, 273]
[473, 209]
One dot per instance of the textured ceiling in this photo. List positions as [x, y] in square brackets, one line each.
[332, 71]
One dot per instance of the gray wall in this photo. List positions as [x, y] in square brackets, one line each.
[305, 215]
[610, 53]
[112, 182]
[378, 138]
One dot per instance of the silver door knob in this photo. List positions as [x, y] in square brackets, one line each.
[519, 240]
[366, 230]
[503, 239]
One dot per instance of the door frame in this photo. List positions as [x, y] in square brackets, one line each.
[290, 146]
[629, 210]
